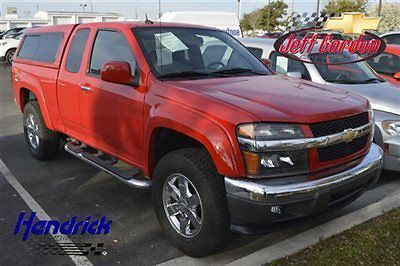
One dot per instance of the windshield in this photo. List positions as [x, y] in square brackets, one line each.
[353, 73]
[188, 53]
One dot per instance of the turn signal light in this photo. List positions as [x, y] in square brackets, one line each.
[252, 162]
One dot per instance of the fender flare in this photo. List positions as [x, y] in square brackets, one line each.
[205, 131]
[35, 88]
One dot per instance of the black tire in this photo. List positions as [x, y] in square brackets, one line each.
[9, 56]
[196, 165]
[49, 141]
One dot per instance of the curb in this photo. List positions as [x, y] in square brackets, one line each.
[308, 238]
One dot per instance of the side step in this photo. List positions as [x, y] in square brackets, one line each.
[80, 153]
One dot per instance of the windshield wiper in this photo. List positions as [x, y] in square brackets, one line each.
[185, 74]
[345, 81]
[236, 71]
[372, 79]
[218, 73]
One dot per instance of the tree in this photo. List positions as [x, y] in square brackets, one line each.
[260, 19]
[390, 16]
[339, 6]
[252, 21]
[277, 10]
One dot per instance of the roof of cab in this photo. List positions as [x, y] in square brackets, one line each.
[119, 24]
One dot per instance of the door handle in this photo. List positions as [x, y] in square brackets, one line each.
[86, 88]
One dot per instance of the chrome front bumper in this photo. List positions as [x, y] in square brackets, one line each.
[270, 191]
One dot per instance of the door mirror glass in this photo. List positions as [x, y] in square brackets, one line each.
[296, 75]
[119, 72]
[397, 76]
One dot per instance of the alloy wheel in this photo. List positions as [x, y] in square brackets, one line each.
[33, 131]
[182, 205]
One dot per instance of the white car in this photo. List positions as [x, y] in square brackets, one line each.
[355, 77]
[7, 49]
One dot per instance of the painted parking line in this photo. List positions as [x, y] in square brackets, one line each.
[40, 213]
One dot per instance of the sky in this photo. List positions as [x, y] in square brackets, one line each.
[132, 9]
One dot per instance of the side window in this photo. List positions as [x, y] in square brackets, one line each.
[385, 63]
[110, 46]
[296, 66]
[256, 51]
[282, 65]
[76, 50]
[279, 63]
[41, 47]
[30, 45]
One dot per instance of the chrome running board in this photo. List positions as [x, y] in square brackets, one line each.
[79, 152]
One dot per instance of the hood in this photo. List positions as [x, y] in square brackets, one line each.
[384, 96]
[276, 98]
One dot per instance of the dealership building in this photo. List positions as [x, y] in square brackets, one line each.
[43, 18]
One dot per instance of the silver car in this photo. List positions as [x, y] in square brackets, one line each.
[355, 77]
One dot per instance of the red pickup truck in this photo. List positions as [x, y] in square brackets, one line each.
[223, 143]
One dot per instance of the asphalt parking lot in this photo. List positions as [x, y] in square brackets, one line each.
[66, 187]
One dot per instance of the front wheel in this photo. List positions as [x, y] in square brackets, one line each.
[10, 56]
[42, 143]
[190, 202]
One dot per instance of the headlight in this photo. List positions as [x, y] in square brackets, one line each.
[264, 163]
[269, 131]
[391, 127]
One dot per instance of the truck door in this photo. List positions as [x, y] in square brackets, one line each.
[68, 88]
[112, 114]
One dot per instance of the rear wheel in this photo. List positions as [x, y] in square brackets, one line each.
[10, 56]
[190, 202]
[42, 143]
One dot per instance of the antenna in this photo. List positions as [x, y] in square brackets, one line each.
[148, 21]
[160, 30]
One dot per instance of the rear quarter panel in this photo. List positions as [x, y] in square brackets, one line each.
[42, 83]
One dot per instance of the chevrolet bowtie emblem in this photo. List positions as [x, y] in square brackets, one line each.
[352, 23]
[349, 135]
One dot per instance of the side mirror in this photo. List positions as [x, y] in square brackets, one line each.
[120, 73]
[266, 62]
[397, 76]
[296, 75]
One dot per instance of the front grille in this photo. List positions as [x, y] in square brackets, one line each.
[336, 126]
[341, 150]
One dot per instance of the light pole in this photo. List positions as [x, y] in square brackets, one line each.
[380, 8]
[268, 14]
[239, 9]
[83, 7]
[292, 7]
[318, 2]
